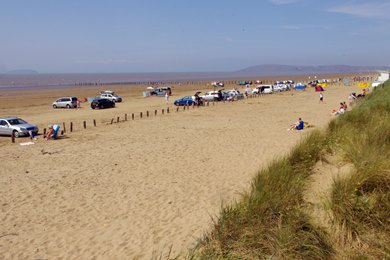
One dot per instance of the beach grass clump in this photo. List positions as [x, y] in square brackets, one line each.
[269, 220]
[360, 203]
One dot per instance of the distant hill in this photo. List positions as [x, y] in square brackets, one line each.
[21, 72]
[276, 69]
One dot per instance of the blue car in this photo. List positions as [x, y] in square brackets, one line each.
[184, 101]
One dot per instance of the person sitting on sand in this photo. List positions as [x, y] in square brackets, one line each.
[52, 132]
[335, 112]
[298, 126]
[345, 106]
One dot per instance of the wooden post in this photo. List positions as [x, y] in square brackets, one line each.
[62, 132]
[112, 120]
[13, 137]
[140, 114]
[71, 126]
[167, 110]
[63, 124]
[177, 109]
[85, 124]
[44, 131]
[117, 119]
[132, 116]
[125, 117]
[94, 123]
[162, 111]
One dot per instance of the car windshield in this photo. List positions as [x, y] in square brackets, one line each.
[16, 121]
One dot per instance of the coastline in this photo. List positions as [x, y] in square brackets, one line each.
[48, 81]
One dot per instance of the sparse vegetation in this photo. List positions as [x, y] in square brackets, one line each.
[270, 221]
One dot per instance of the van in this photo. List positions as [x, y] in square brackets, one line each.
[68, 102]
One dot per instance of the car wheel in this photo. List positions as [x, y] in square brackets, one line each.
[16, 133]
[113, 104]
[68, 106]
[101, 106]
[54, 106]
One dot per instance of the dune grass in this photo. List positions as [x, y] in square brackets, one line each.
[360, 203]
[270, 221]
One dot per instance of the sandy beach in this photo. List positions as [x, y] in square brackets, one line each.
[135, 189]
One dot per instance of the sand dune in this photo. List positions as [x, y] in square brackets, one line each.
[134, 189]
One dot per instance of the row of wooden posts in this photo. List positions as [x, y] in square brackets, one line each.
[167, 110]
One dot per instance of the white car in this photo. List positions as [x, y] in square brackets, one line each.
[112, 97]
[212, 96]
[263, 89]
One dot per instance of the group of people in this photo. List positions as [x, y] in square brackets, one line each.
[51, 133]
[343, 107]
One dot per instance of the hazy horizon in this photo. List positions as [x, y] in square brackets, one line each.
[190, 36]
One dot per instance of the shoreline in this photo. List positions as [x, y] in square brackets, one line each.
[53, 81]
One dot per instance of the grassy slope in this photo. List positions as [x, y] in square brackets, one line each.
[270, 220]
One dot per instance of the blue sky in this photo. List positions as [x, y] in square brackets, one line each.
[77, 36]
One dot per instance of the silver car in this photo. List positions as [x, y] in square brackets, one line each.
[112, 97]
[17, 126]
[68, 102]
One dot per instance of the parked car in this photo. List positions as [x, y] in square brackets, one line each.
[234, 94]
[263, 89]
[113, 97]
[185, 101]
[102, 103]
[17, 126]
[213, 96]
[68, 102]
[160, 92]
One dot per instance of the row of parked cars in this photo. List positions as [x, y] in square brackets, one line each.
[217, 95]
[221, 95]
[19, 127]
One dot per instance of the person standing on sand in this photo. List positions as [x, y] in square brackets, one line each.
[166, 97]
[321, 98]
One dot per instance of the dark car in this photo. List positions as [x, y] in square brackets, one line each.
[184, 101]
[102, 103]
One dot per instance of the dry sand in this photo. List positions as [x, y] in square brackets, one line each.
[134, 189]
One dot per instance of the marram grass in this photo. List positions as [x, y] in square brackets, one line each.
[269, 222]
